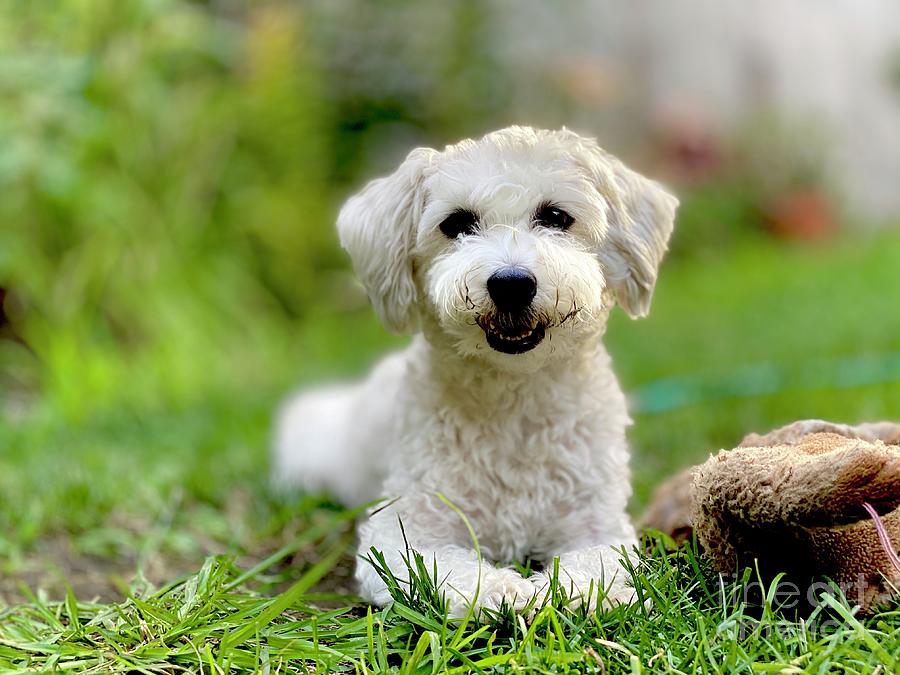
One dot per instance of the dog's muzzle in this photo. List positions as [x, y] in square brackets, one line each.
[513, 329]
[516, 342]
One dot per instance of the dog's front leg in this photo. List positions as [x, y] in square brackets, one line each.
[592, 573]
[467, 583]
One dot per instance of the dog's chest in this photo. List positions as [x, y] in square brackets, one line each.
[534, 465]
[523, 477]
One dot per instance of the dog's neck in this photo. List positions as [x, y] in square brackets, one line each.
[481, 383]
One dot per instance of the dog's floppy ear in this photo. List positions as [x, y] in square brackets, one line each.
[377, 227]
[641, 217]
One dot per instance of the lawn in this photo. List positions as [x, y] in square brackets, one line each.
[146, 540]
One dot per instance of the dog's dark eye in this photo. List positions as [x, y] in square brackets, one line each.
[459, 222]
[553, 216]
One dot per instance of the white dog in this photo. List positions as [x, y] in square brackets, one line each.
[505, 255]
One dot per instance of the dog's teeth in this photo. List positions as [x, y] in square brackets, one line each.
[516, 336]
[495, 328]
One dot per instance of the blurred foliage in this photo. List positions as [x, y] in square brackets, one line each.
[170, 171]
[769, 178]
[403, 73]
[164, 193]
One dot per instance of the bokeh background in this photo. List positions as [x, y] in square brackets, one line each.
[169, 177]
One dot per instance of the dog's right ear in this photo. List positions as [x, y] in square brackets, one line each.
[377, 227]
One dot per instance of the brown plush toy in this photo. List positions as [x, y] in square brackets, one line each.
[812, 499]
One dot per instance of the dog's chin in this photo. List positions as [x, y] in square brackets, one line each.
[518, 342]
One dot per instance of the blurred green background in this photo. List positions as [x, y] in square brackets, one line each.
[169, 176]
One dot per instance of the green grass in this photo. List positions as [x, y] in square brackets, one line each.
[141, 539]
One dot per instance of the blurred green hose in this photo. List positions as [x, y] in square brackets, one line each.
[764, 379]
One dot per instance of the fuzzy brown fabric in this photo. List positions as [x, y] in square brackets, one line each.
[792, 500]
[670, 508]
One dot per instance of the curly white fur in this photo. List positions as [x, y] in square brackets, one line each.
[530, 446]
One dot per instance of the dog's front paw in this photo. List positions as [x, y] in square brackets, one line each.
[580, 590]
[497, 589]
[594, 577]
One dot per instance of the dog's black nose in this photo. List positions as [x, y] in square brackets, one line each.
[512, 288]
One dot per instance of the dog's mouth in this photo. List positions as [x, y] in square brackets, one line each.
[513, 339]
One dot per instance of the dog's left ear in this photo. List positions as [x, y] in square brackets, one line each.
[377, 227]
[641, 217]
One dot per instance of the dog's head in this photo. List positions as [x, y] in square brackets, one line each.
[512, 248]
